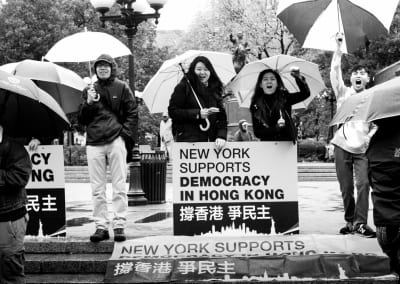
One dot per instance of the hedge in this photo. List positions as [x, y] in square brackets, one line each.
[307, 150]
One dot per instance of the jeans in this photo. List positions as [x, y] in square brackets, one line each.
[12, 251]
[97, 165]
[346, 163]
[389, 240]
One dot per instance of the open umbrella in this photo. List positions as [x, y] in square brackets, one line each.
[86, 46]
[380, 101]
[64, 85]
[244, 83]
[28, 111]
[159, 89]
[315, 23]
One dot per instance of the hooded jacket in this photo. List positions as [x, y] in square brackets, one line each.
[15, 170]
[115, 114]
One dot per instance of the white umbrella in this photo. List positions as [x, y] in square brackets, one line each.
[158, 91]
[86, 46]
[316, 23]
[244, 83]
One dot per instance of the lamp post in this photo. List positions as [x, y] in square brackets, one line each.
[131, 15]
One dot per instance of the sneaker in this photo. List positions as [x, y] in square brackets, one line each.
[365, 231]
[99, 235]
[119, 235]
[348, 229]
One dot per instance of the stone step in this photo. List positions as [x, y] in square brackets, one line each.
[65, 278]
[66, 263]
[306, 172]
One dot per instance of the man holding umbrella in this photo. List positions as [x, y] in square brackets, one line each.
[109, 112]
[15, 170]
[351, 142]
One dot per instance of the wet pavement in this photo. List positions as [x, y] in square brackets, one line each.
[320, 211]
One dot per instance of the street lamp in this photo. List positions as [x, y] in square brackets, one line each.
[131, 15]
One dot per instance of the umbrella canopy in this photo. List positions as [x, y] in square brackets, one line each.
[380, 101]
[315, 23]
[64, 85]
[28, 111]
[244, 83]
[158, 91]
[86, 46]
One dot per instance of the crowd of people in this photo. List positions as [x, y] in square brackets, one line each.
[196, 113]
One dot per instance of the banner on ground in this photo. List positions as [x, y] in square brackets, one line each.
[46, 192]
[246, 188]
[258, 258]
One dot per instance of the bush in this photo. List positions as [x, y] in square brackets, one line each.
[310, 150]
[75, 155]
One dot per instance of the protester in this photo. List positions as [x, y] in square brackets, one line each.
[187, 116]
[271, 106]
[109, 112]
[243, 133]
[166, 136]
[351, 141]
[15, 170]
[384, 175]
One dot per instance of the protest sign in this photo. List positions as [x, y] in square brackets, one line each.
[243, 189]
[46, 192]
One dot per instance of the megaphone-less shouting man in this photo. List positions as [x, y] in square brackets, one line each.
[351, 142]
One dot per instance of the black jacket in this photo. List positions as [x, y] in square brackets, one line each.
[15, 170]
[185, 114]
[115, 114]
[265, 124]
[384, 172]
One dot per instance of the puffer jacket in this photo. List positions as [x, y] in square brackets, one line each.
[15, 171]
[185, 114]
[115, 114]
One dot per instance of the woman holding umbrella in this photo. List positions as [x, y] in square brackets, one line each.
[271, 106]
[196, 106]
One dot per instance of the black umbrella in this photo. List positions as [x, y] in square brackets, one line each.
[28, 111]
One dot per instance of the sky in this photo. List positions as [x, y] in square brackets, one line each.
[178, 14]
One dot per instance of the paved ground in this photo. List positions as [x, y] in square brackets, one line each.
[320, 211]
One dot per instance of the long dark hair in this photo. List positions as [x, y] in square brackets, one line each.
[214, 82]
[277, 99]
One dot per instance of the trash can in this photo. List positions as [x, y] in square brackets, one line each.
[154, 176]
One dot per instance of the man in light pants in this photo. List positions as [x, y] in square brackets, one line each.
[109, 112]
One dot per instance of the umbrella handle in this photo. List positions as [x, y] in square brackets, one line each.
[205, 128]
[202, 128]
[96, 97]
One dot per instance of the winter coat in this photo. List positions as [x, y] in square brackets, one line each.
[115, 114]
[15, 171]
[185, 114]
[265, 119]
[384, 172]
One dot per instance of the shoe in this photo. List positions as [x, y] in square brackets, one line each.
[119, 235]
[348, 229]
[99, 235]
[365, 231]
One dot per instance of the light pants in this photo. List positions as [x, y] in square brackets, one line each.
[167, 148]
[12, 251]
[116, 155]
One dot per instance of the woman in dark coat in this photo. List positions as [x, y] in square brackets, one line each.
[185, 112]
[271, 106]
